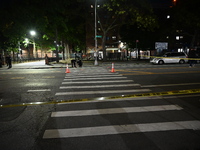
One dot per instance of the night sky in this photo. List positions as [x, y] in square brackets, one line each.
[155, 3]
[161, 3]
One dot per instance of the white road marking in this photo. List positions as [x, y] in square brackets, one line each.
[144, 86]
[121, 129]
[18, 78]
[48, 77]
[102, 92]
[40, 90]
[98, 86]
[94, 76]
[114, 110]
[115, 81]
[102, 78]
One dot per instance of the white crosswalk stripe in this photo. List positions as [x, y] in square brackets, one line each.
[102, 92]
[100, 78]
[98, 86]
[87, 82]
[114, 110]
[93, 76]
[119, 129]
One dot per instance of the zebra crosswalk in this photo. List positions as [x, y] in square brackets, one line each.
[96, 82]
[129, 123]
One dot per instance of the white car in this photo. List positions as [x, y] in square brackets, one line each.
[170, 57]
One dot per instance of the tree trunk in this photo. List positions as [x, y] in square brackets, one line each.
[67, 54]
[57, 56]
[63, 51]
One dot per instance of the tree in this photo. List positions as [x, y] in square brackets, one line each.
[115, 13]
[58, 20]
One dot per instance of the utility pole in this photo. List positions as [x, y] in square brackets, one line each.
[95, 34]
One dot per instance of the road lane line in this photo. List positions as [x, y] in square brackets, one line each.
[114, 111]
[115, 81]
[99, 86]
[102, 92]
[144, 86]
[121, 129]
[40, 90]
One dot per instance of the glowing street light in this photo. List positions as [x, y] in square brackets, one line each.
[33, 33]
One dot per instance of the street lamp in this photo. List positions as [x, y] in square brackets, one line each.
[33, 33]
[95, 33]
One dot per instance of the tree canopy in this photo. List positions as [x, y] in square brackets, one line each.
[115, 14]
[56, 20]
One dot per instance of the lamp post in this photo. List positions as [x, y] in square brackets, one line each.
[33, 33]
[95, 33]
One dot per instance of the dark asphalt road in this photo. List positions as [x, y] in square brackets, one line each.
[147, 122]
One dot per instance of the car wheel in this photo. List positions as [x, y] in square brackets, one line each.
[161, 62]
[181, 61]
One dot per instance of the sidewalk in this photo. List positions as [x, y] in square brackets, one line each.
[41, 64]
[29, 65]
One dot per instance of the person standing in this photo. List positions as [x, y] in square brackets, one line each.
[46, 60]
[192, 56]
[9, 61]
[1, 61]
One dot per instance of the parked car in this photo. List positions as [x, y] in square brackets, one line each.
[170, 57]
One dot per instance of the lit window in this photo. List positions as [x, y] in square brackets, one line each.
[180, 50]
[114, 37]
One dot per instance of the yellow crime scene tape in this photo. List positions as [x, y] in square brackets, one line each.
[178, 92]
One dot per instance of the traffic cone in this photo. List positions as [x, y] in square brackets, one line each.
[113, 70]
[67, 69]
